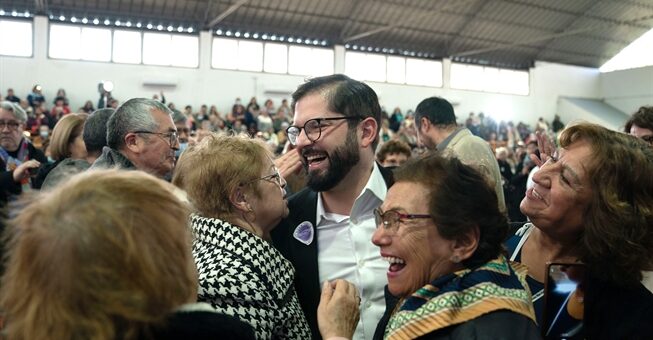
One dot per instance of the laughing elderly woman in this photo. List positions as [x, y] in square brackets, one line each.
[441, 230]
[238, 195]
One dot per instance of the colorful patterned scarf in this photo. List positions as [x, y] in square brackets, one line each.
[462, 296]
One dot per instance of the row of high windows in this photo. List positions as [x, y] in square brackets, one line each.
[78, 42]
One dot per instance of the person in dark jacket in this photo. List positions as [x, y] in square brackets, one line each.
[106, 255]
[19, 159]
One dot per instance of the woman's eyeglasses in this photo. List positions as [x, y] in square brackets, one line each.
[273, 178]
[391, 218]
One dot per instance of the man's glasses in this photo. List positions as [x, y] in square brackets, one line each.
[391, 218]
[11, 124]
[312, 128]
[171, 136]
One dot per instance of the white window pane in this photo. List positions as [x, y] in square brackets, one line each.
[396, 70]
[250, 56]
[16, 38]
[375, 67]
[127, 47]
[156, 49]
[491, 80]
[96, 44]
[300, 60]
[322, 62]
[467, 77]
[276, 58]
[355, 65]
[224, 53]
[64, 42]
[423, 72]
[513, 82]
[457, 76]
[185, 51]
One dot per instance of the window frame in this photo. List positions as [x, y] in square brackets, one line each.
[112, 29]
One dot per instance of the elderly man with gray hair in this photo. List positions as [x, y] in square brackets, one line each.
[18, 157]
[141, 135]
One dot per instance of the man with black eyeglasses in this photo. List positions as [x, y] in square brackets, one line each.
[18, 157]
[141, 135]
[328, 231]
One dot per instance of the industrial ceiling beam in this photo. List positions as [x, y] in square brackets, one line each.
[422, 15]
[501, 46]
[226, 13]
[41, 6]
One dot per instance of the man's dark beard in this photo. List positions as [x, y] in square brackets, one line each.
[341, 160]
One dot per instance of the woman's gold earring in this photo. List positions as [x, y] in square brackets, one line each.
[455, 259]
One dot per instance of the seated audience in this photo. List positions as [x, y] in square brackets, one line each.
[11, 96]
[445, 257]
[238, 195]
[106, 256]
[87, 108]
[66, 146]
[640, 124]
[591, 203]
[393, 153]
[36, 98]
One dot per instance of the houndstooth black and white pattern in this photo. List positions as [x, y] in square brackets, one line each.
[242, 275]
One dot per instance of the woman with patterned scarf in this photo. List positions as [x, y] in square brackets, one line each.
[238, 195]
[441, 230]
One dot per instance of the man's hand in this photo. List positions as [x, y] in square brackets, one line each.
[289, 163]
[23, 170]
[338, 312]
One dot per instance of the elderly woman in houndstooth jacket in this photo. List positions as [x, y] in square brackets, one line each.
[238, 195]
